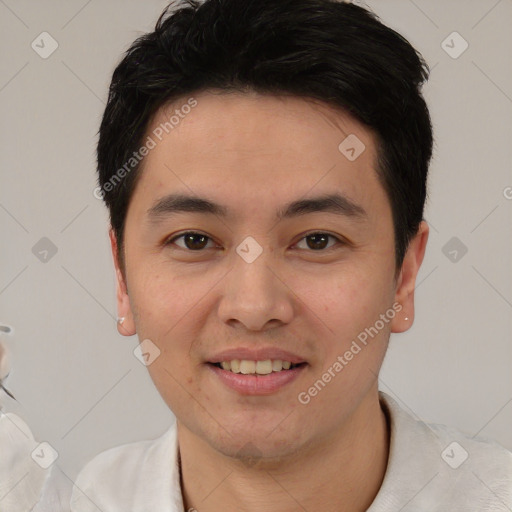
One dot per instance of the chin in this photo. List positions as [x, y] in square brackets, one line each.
[261, 454]
[250, 446]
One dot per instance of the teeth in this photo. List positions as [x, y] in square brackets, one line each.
[247, 367]
[264, 367]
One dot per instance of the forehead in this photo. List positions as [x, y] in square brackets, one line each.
[255, 150]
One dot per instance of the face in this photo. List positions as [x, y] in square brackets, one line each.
[263, 273]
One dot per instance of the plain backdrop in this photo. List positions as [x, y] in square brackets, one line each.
[76, 379]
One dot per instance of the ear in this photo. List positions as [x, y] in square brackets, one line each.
[127, 327]
[404, 293]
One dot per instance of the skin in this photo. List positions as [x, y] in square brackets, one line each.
[253, 154]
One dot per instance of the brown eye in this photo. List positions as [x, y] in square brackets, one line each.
[192, 241]
[318, 241]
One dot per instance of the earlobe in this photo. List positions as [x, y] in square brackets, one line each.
[406, 282]
[125, 323]
[121, 329]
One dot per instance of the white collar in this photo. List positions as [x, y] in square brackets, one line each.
[145, 476]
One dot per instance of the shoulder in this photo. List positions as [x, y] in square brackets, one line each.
[474, 469]
[119, 477]
[458, 470]
[479, 459]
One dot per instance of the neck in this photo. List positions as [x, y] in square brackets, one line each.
[342, 472]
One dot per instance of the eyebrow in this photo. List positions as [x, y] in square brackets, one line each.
[336, 203]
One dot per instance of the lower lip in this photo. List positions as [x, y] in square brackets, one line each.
[257, 384]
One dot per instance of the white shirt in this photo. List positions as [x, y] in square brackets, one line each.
[27, 481]
[430, 468]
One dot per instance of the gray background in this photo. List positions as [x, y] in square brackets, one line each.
[78, 383]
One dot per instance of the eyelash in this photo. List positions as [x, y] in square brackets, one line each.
[338, 240]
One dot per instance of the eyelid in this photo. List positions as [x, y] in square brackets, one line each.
[173, 238]
[339, 240]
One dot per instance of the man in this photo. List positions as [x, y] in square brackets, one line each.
[264, 164]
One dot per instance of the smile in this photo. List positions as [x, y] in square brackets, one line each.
[256, 377]
[248, 367]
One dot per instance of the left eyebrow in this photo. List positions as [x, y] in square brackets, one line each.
[331, 203]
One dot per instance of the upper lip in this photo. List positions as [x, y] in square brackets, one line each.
[254, 354]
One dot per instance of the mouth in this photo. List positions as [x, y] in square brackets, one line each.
[259, 368]
[256, 377]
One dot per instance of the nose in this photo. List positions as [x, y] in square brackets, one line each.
[255, 295]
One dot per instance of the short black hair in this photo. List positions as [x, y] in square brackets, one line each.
[327, 50]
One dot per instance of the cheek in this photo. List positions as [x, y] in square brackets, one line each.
[348, 305]
[177, 385]
[160, 300]
[352, 303]
[163, 310]
[167, 318]
[349, 300]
